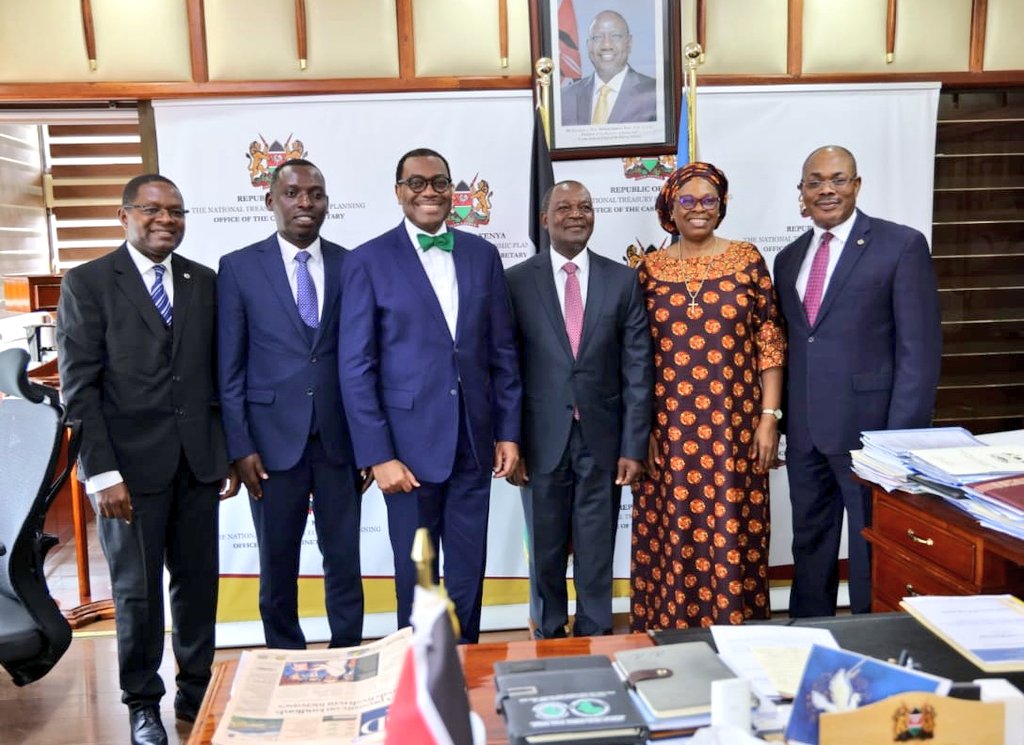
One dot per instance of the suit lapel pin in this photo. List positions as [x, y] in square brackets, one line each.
[860, 242]
[186, 275]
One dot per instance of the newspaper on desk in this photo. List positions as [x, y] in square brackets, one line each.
[315, 696]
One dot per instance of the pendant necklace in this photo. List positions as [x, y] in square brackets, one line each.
[692, 311]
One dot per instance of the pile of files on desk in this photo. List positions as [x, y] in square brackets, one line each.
[983, 476]
[887, 459]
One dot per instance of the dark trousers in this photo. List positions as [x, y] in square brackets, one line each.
[176, 525]
[280, 520]
[455, 512]
[577, 502]
[820, 487]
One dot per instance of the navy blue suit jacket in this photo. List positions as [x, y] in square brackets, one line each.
[400, 368]
[270, 377]
[871, 359]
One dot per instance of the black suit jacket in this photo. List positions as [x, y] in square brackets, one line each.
[610, 381]
[143, 393]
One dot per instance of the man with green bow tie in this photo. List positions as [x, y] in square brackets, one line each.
[430, 381]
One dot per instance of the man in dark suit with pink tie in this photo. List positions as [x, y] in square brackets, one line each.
[430, 381]
[585, 353]
[864, 337]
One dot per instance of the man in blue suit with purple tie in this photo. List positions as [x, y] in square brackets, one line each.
[864, 338]
[430, 381]
[278, 306]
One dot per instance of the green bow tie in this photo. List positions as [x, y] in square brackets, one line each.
[445, 241]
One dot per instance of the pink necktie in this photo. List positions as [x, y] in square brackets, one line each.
[816, 280]
[573, 307]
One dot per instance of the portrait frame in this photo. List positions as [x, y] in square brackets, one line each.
[642, 120]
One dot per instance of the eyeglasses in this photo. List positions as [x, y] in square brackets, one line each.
[688, 202]
[418, 183]
[838, 182]
[149, 210]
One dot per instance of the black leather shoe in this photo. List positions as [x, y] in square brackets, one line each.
[147, 729]
[183, 710]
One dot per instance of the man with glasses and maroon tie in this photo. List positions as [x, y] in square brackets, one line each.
[135, 337]
[430, 381]
[862, 314]
[277, 317]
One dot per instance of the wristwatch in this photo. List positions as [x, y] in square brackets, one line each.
[777, 413]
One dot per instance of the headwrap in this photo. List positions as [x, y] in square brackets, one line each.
[674, 183]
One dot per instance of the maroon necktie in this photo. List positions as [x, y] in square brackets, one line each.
[573, 307]
[816, 279]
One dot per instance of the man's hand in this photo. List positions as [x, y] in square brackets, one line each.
[654, 458]
[115, 503]
[230, 486]
[519, 475]
[250, 469]
[365, 479]
[506, 457]
[392, 476]
[764, 451]
[629, 470]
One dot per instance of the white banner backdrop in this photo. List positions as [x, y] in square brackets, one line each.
[217, 151]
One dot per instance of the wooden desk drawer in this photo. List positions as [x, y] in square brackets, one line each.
[895, 579]
[926, 538]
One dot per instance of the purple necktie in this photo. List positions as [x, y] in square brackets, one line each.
[573, 307]
[305, 291]
[816, 279]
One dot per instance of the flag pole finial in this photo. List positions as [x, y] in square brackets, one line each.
[423, 556]
[693, 56]
[544, 67]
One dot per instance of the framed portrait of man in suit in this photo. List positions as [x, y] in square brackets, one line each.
[613, 83]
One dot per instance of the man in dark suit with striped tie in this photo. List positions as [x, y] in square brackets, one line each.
[135, 336]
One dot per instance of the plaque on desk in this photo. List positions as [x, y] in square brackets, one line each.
[568, 703]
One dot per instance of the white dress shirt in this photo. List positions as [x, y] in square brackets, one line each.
[315, 264]
[582, 262]
[615, 84]
[840, 233]
[440, 268]
[107, 479]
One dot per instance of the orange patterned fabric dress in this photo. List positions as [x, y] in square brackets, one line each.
[701, 521]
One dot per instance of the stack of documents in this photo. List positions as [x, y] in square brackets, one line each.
[887, 459]
[983, 476]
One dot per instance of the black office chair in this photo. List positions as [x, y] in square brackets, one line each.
[33, 633]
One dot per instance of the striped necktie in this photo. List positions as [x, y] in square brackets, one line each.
[159, 295]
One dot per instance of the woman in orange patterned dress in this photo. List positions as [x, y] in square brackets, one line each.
[700, 515]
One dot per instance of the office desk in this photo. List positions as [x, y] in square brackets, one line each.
[477, 663]
[881, 635]
[922, 545]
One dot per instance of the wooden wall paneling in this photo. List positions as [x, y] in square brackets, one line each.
[90, 164]
[147, 42]
[795, 45]
[462, 38]
[1004, 32]
[197, 41]
[979, 28]
[931, 36]
[24, 245]
[742, 38]
[977, 245]
[248, 41]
